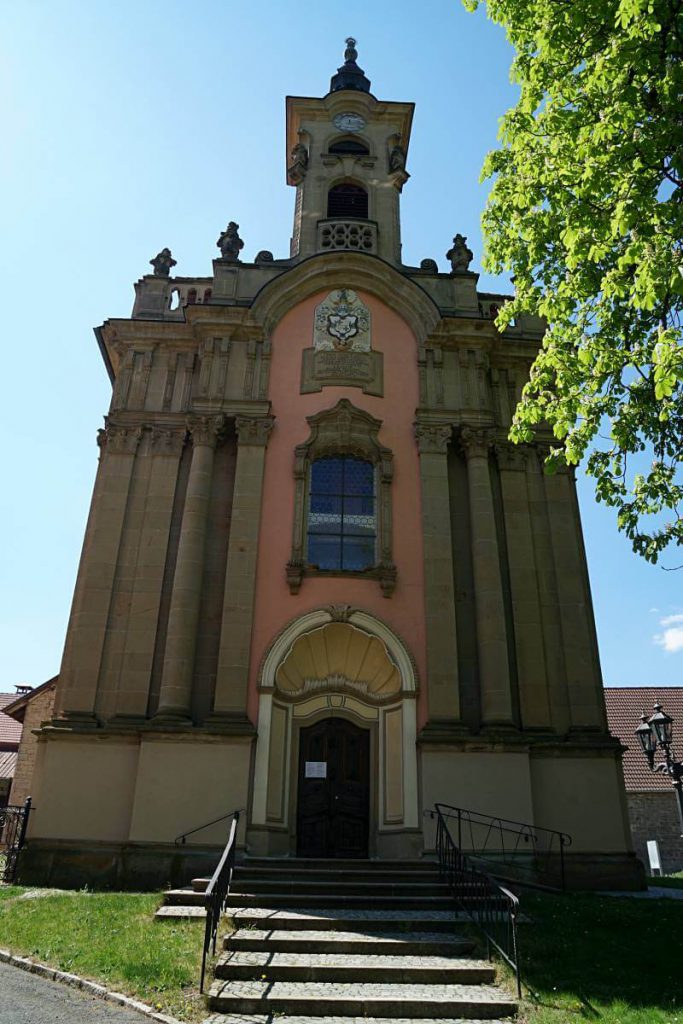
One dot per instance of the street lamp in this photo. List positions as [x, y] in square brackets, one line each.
[657, 731]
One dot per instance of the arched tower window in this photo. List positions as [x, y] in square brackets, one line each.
[347, 200]
[353, 146]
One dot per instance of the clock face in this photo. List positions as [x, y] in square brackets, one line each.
[349, 122]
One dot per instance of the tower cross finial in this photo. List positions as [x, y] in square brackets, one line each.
[349, 75]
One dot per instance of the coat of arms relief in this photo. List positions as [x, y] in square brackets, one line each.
[341, 323]
[342, 353]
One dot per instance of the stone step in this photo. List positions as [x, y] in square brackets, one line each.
[322, 900]
[428, 875]
[345, 967]
[318, 999]
[377, 943]
[335, 887]
[338, 866]
[179, 912]
[342, 919]
[358, 883]
[259, 1018]
[189, 897]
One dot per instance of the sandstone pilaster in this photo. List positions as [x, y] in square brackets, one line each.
[442, 654]
[494, 670]
[176, 681]
[230, 698]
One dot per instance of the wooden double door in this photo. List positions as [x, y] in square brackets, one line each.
[333, 814]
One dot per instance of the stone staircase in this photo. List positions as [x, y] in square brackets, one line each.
[343, 941]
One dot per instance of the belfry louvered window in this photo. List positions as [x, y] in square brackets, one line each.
[347, 201]
[342, 516]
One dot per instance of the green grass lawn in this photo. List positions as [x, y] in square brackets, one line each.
[111, 938]
[613, 960]
[667, 881]
[584, 957]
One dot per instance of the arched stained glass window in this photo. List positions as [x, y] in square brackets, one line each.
[342, 515]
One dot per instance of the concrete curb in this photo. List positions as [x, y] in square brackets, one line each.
[90, 987]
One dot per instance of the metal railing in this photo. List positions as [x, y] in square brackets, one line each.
[511, 850]
[217, 891]
[13, 825]
[492, 908]
[180, 840]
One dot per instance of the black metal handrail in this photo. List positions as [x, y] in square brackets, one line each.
[535, 854]
[13, 825]
[180, 840]
[217, 891]
[491, 907]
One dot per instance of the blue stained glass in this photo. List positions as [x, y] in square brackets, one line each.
[329, 504]
[325, 552]
[359, 477]
[359, 506]
[327, 476]
[341, 516]
[358, 553]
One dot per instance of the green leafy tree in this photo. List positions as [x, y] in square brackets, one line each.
[586, 210]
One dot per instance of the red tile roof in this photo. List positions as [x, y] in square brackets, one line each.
[10, 731]
[8, 762]
[625, 705]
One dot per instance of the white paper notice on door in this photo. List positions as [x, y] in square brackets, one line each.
[316, 769]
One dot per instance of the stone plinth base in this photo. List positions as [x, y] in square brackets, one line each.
[130, 866]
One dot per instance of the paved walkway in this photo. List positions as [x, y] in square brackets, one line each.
[28, 999]
[654, 892]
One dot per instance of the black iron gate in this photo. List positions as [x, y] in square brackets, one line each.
[13, 825]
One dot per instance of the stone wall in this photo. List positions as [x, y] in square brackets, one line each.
[38, 710]
[655, 816]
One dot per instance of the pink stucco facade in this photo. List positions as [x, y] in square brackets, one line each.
[275, 606]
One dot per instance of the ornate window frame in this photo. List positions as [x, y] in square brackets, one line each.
[343, 430]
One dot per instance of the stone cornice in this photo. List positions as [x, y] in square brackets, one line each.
[453, 332]
[338, 269]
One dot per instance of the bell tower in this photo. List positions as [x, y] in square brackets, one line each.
[347, 161]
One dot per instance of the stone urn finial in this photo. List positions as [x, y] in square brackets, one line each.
[460, 255]
[230, 243]
[162, 263]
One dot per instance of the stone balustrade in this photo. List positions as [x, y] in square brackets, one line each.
[357, 235]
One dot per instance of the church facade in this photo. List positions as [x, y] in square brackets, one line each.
[318, 583]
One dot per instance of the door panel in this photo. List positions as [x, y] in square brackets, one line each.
[334, 811]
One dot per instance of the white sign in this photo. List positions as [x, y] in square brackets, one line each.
[653, 856]
[316, 769]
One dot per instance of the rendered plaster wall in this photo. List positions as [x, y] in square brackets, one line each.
[182, 784]
[83, 789]
[123, 791]
[584, 796]
[496, 783]
[275, 605]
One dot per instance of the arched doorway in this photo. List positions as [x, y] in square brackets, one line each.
[333, 790]
[336, 665]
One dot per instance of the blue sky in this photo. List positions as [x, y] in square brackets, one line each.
[130, 126]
